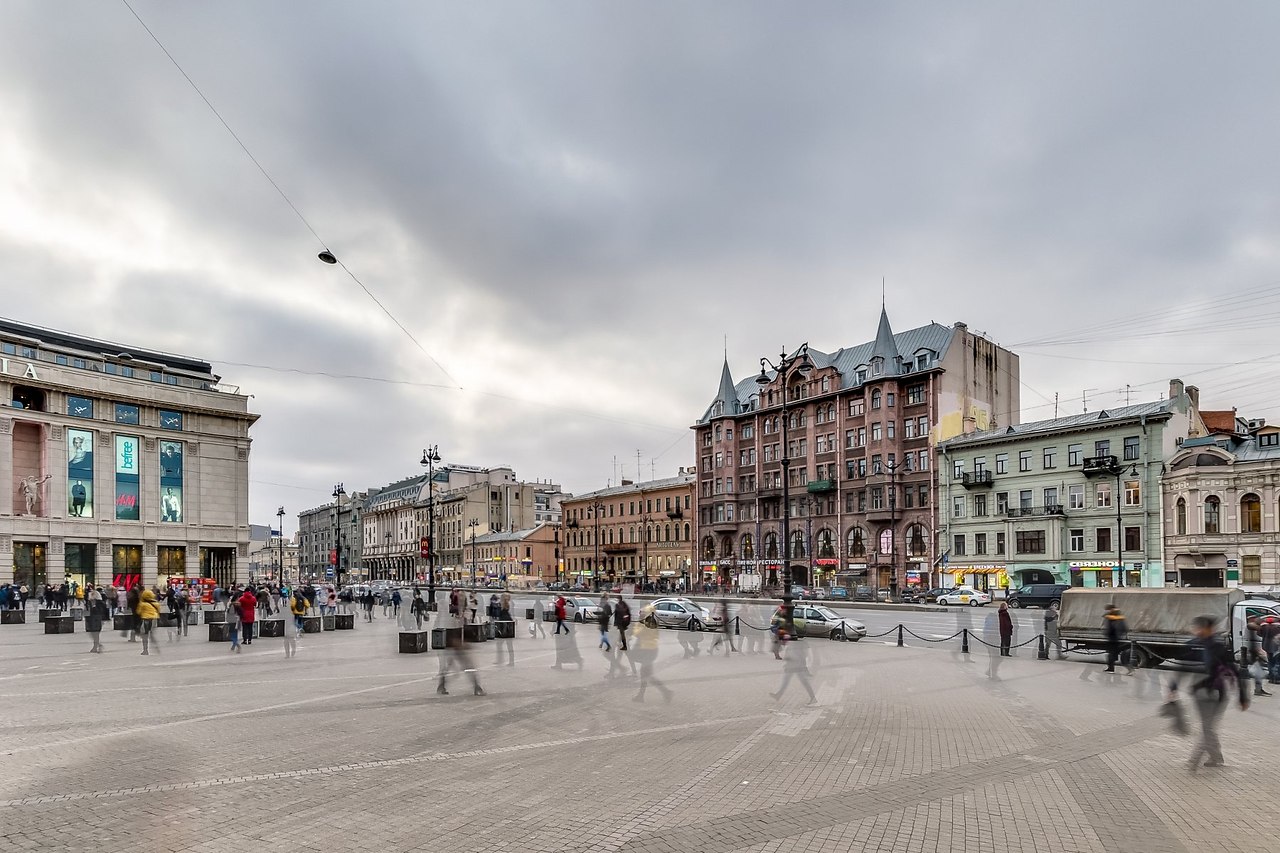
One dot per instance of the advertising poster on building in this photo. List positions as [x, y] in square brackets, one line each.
[171, 482]
[127, 492]
[79, 473]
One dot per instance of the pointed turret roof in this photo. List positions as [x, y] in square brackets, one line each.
[885, 347]
[728, 392]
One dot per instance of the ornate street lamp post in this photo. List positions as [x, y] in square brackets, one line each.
[430, 456]
[798, 364]
[338, 494]
[280, 527]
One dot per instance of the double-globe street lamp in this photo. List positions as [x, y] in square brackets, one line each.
[798, 364]
[430, 456]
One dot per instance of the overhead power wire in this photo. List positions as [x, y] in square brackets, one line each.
[284, 195]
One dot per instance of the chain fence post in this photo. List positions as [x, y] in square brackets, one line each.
[899, 635]
[964, 641]
[1044, 649]
[736, 626]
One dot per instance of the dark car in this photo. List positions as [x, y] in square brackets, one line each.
[932, 595]
[1037, 595]
[864, 593]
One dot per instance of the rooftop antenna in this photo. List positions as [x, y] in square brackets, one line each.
[1055, 405]
[1127, 392]
[1084, 397]
[881, 293]
[637, 464]
[652, 468]
[615, 468]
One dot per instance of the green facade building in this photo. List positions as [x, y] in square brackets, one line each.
[1072, 500]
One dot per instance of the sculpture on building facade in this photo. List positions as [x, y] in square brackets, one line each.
[31, 490]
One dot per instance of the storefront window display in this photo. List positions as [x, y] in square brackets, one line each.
[126, 565]
[171, 464]
[80, 561]
[29, 565]
[80, 473]
[172, 563]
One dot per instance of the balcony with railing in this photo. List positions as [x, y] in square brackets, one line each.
[1036, 511]
[976, 479]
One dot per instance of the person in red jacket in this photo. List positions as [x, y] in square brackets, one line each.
[248, 604]
[562, 610]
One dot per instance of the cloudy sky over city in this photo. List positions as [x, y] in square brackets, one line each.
[571, 207]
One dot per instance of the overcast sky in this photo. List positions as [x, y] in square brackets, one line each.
[571, 205]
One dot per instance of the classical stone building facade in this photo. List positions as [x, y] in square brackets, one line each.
[631, 533]
[1222, 509]
[1071, 500]
[120, 464]
[859, 435]
[331, 539]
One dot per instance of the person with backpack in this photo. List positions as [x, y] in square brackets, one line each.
[148, 615]
[233, 624]
[298, 607]
[1210, 689]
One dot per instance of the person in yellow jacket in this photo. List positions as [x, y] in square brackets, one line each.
[644, 650]
[298, 607]
[148, 615]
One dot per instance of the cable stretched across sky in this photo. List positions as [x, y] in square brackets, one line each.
[324, 246]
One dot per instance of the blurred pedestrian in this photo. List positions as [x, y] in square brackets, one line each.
[418, 608]
[506, 642]
[1255, 656]
[645, 652]
[473, 604]
[796, 665]
[603, 615]
[537, 627]
[1211, 689]
[562, 611]
[233, 625]
[298, 607]
[1006, 628]
[1051, 636]
[722, 609]
[395, 602]
[148, 615]
[95, 615]
[1115, 630]
[622, 621]
[456, 656]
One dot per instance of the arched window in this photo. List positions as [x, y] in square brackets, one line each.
[825, 545]
[748, 547]
[856, 542]
[633, 534]
[1251, 514]
[610, 535]
[886, 541]
[648, 533]
[1212, 515]
[1180, 517]
[771, 546]
[831, 413]
[687, 534]
[726, 547]
[719, 432]
[917, 541]
[797, 545]
[666, 533]
[875, 399]
[708, 548]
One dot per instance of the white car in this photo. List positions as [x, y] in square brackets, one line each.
[964, 595]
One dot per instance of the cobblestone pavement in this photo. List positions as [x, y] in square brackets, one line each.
[349, 747]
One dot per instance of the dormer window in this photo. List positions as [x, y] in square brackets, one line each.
[922, 361]
[862, 375]
[826, 384]
[877, 366]
[718, 409]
